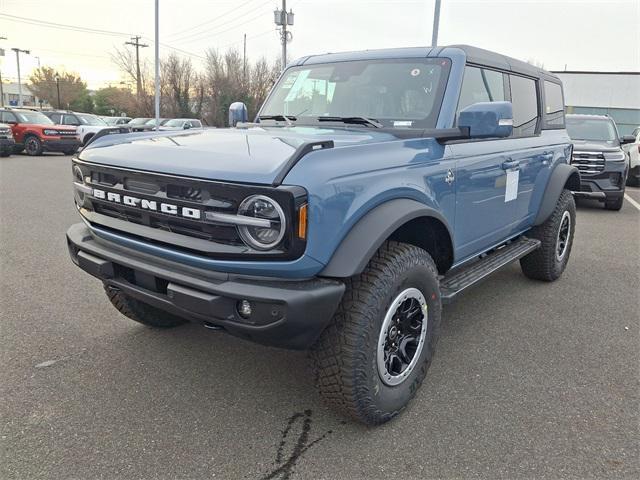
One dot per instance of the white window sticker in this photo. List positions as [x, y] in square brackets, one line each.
[511, 191]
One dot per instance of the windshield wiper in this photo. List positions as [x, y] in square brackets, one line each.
[279, 118]
[356, 120]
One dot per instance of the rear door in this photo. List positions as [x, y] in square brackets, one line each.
[485, 214]
[528, 152]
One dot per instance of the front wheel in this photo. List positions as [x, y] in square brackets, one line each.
[373, 357]
[33, 146]
[556, 235]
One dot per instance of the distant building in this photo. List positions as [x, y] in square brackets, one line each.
[10, 96]
[616, 94]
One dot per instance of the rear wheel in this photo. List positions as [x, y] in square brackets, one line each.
[373, 357]
[556, 234]
[614, 203]
[33, 146]
[141, 312]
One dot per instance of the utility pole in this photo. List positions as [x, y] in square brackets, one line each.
[1, 88]
[282, 18]
[18, 51]
[135, 41]
[157, 60]
[436, 24]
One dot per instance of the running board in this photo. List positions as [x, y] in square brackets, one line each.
[461, 278]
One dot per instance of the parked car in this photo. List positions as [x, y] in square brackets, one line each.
[598, 154]
[139, 124]
[373, 187]
[633, 151]
[7, 143]
[88, 125]
[36, 133]
[181, 124]
[117, 120]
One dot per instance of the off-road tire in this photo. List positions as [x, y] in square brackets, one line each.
[344, 360]
[543, 264]
[33, 146]
[614, 204]
[141, 312]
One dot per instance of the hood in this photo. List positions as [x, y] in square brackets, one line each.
[595, 146]
[252, 155]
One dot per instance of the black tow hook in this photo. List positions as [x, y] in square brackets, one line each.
[211, 326]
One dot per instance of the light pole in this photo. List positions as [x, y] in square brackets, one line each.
[57, 77]
[18, 51]
[436, 24]
[1, 89]
[157, 55]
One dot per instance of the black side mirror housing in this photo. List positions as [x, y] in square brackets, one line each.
[627, 139]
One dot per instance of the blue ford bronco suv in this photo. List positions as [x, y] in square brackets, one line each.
[372, 188]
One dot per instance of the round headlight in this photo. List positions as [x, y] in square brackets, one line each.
[270, 234]
[77, 178]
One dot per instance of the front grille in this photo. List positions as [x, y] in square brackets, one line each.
[67, 133]
[183, 193]
[589, 163]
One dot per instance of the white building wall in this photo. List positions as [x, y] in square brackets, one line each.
[605, 90]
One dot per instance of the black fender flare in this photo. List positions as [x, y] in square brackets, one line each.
[563, 176]
[368, 234]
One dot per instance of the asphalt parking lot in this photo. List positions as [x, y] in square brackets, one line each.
[530, 380]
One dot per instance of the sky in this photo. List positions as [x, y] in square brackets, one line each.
[594, 35]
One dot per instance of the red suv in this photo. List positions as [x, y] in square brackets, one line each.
[35, 133]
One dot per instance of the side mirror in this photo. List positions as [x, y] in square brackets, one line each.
[627, 139]
[187, 126]
[237, 113]
[487, 119]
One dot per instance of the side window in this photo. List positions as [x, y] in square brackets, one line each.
[70, 120]
[8, 117]
[197, 124]
[553, 105]
[524, 98]
[55, 118]
[480, 85]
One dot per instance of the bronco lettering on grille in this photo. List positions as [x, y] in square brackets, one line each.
[152, 205]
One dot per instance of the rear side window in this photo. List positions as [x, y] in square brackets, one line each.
[196, 123]
[480, 85]
[524, 98]
[553, 105]
[6, 117]
[71, 120]
[55, 117]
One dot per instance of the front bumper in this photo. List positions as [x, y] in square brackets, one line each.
[60, 145]
[288, 314]
[608, 184]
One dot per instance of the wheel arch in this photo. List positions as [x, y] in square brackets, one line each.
[402, 220]
[564, 176]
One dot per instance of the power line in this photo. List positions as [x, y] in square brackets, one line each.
[204, 35]
[213, 20]
[62, 26]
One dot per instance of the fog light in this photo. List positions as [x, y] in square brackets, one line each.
[244, 308]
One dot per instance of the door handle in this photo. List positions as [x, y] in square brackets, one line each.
[510, 164]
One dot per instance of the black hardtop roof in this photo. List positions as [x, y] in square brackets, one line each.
[474, 55]
[488, 58]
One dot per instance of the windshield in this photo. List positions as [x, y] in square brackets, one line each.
[33, 117]
[596, 129]
[90, 120]
[395, 92]
[176, 122]
[152, 121]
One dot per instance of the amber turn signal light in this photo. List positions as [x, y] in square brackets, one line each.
[302, 222]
